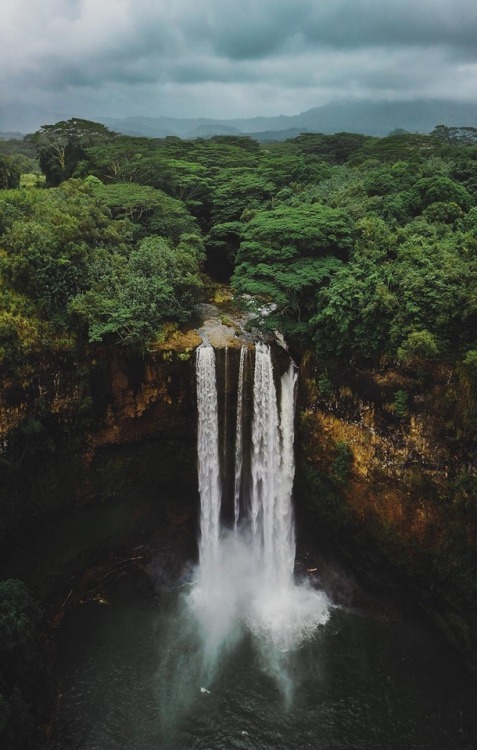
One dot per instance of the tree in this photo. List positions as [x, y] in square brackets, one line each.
[336, 149]
[60, 147]
[405, 297]
[124, 159]
[287, 255]
[465, 136]
[418, 346]
[238, 190]
[9, 173]
[129, 298]
[153, 210]
[308, 229]
[49, 240]
[440, 189]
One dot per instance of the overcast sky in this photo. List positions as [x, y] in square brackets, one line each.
[232, 58]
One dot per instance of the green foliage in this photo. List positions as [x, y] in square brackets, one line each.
[309, 229]
[49, 240]
[470, 363]
[418, 345]
[286, 256]
[290, 288]
[342, 464]
[463, 136]
[401, 147]
[406, 297]
[441, 212]
[153, 210]
[65, 248]
[61, 146]
[9, 173]
[440, 189]
[336, 149]
[238, 190]
[354, 311]
[401, 404]
[366, 247]
[130, 297]
[324, 386]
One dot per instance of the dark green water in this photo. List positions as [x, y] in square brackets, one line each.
[129, 681]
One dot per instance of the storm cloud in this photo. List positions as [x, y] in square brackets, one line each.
[221, 58]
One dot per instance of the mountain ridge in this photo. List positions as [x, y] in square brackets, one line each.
[361, 116]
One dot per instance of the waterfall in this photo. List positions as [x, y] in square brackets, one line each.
[273, 469]
[245, 579]
[284, 525]
[208, 456]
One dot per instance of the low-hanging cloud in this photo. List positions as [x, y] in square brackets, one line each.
[222, 58]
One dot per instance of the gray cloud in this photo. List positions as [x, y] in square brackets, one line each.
[405, 23]
[226, 58]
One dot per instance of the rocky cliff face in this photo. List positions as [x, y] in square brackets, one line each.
[385, 467]
[70, 435]
[112, 427]
[389, 475]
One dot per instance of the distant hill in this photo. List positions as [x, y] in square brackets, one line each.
[268, 136]
[380, 118]
[370, 118]
[367, 117]
[15, 135]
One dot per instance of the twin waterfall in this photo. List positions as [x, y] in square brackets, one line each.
[269, 512]
[245, 581]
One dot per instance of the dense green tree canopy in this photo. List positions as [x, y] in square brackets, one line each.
[362, 247]
[129, 297]
[70, 254]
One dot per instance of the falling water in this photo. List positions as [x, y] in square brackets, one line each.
[226, 393]
[239, 437]
[208, 456]
[265, 461]
[245, 580]
[273, 470]
[284, 526]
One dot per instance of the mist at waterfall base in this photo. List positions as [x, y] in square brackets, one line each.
[237, 654]
[245, 581]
